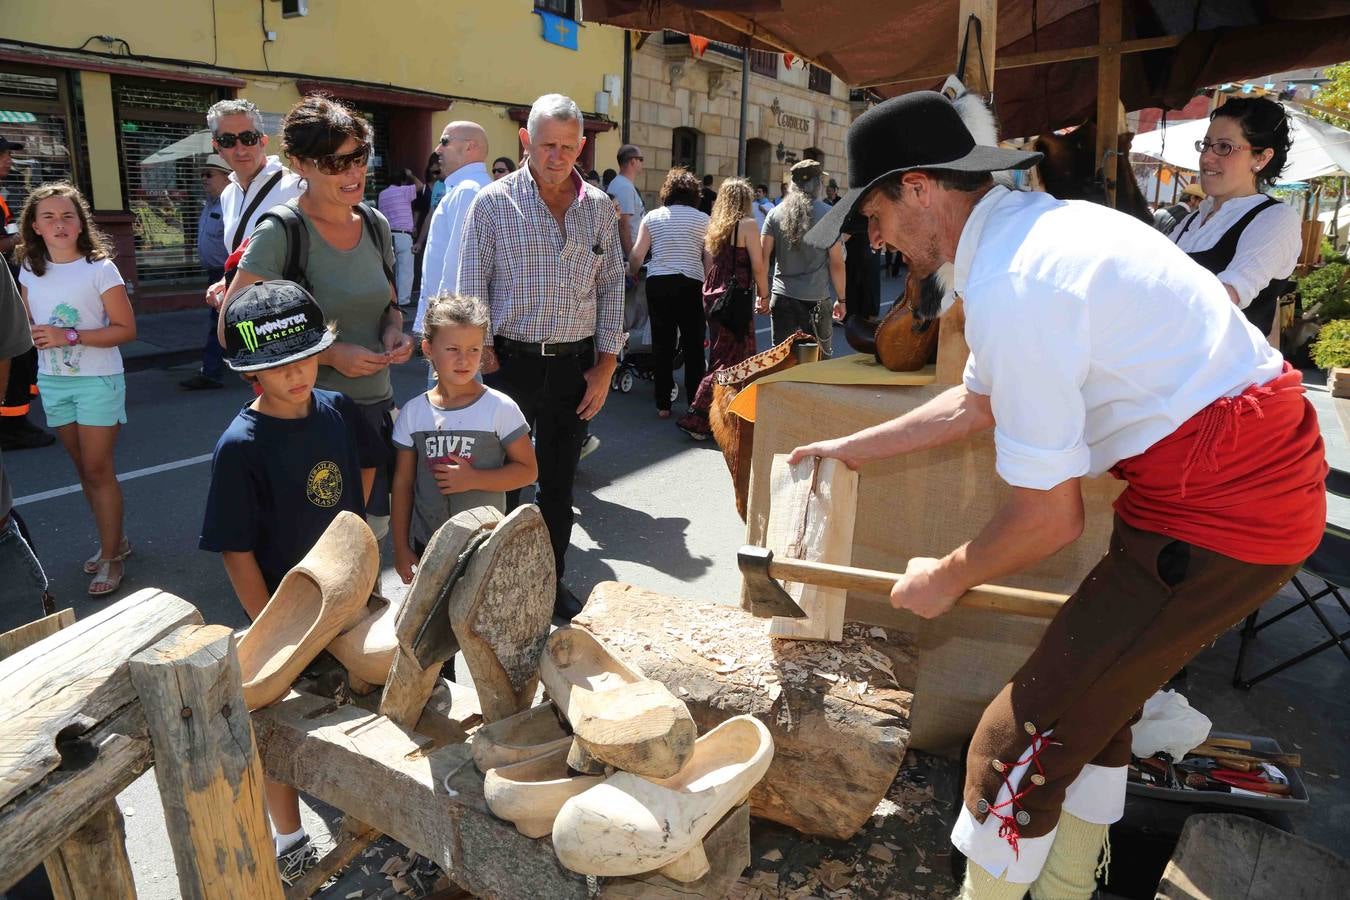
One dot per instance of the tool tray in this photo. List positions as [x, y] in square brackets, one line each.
[1298, 794]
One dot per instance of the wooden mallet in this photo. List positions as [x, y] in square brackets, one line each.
[767, 597]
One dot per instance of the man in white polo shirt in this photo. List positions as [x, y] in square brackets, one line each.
[1095, 346]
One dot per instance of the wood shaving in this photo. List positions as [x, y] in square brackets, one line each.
[774, 855]
[880, 852]
[834, 874]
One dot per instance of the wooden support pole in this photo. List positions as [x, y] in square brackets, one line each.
[92, 863]
[210, 779]
[1109, 26]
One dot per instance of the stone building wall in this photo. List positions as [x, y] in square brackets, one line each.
[671, 89]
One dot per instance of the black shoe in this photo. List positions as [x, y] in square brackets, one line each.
[20, 434]
[565, 604]
[200, 382]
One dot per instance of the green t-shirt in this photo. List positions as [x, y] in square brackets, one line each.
[350, 287]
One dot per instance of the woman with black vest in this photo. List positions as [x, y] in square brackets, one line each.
[1248, 239]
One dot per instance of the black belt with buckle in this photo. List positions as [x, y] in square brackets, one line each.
[399, 231]
[538, 348]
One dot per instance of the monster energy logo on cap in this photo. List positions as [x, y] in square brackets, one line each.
[273, 323]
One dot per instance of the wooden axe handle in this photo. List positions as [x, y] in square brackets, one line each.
[1019, 601]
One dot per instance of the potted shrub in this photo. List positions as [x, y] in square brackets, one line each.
[1331, 351]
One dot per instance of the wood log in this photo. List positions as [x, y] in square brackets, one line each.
[16, 639]
[92, 863]
[811, 517]
[210, 780]
[1239, 858]
[837, 712]
[500, 609]
[74, 734]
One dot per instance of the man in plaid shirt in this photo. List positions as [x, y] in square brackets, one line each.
[542, 248]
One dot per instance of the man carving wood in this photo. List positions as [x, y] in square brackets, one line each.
[1095, 347]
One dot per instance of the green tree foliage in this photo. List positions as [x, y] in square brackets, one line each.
[1335, 94]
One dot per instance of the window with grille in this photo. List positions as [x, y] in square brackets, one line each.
[162, 142]
[764, 62]
[565, 8]
[818, 79]
[34, 112]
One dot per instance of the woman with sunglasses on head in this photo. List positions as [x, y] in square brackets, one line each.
[329, 146]
[501, 166]
[1248, 239]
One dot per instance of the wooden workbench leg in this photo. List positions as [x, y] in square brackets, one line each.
[92, 863]
[210, 779]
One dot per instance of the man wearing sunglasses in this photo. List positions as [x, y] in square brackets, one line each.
[257, 183]
[462, 148]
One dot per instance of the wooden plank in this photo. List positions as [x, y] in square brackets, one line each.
[210, 780]
[837, 712]
[811, 517]
[93, 861]
[16, 639]
[1109, 24]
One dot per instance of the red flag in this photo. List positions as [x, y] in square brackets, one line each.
[699, 45]
[787, 60]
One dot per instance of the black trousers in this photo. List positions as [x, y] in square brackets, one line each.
[675, 303]
[22, 384]
[548, 390]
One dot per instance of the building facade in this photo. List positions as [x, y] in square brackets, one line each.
[112, 95]
[685, 110]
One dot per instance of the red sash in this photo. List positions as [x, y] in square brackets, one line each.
[1244, 477]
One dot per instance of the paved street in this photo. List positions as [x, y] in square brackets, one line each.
[655, 509]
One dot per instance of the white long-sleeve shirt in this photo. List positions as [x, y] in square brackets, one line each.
[445, 234]
[1268, 249]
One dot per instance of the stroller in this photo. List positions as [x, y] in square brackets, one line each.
[637, 360]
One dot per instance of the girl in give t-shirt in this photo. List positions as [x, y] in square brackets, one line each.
[461, 444]
[79, 313]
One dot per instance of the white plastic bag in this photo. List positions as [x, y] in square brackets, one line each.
[1169, 724]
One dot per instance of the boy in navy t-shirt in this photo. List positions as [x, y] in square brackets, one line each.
[284, 468]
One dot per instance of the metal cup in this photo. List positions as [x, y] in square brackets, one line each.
[807, 352]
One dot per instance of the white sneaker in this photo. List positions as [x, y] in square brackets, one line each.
[295, 862]
[589, 446]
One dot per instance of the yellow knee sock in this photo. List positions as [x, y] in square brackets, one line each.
[980, 885]
[1070, 871]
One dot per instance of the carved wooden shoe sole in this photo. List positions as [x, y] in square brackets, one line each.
[526, 735]
[628, 825]
[367, 649]
[618, 717]
[324, 594]
[529, 794]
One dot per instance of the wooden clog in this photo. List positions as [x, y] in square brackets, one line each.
[618, 716]
[534, 732]
[501, 608]
[322, 596]
[367, 649]
[627, 825]
[529, 794]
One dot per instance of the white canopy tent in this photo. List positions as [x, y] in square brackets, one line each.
[1318, 148]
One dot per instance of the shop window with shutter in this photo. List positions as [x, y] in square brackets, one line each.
[818, 79]
[34, 112]
[162, 143]
[764, 62]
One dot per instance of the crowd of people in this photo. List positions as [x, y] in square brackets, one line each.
[532, 277]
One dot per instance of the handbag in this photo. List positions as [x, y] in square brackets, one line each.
[734, 309]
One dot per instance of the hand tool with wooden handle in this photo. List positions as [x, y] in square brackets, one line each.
[769, 599]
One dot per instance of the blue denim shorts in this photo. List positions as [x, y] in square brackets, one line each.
[22, 580]
[83, 399]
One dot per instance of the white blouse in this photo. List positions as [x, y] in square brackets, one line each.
[1268, 248]
[1092, 335]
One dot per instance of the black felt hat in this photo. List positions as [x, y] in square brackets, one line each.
[921, 130]
[271, 324]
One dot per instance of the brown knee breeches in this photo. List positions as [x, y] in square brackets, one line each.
[1147, 608]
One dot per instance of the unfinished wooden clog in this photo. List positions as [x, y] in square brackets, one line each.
[367, 649]
[501, 608]
[529, 794]
[627, 825]
[618, 716]
[535, 732]
[322, 596]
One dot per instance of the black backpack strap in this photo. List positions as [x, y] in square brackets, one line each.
[253, 207]
[384, 242]
[297, 243]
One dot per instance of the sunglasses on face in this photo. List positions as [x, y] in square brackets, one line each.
[1220, 147]
[247, 138]
[337, 163]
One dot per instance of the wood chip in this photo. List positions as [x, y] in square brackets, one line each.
[834, 874]
[826, 675]
[354, 894]
[773, 855]
[774, 691]
[390, 865]
[879, 852]
[878, 633]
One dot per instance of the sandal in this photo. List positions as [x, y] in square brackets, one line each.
[103, 575]
[123, 551]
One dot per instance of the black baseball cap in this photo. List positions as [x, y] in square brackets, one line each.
[7, 145]
[921, 130]
[271, 324]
